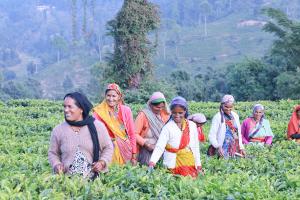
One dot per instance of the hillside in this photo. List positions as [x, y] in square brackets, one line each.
[48, 40]
[229, 40]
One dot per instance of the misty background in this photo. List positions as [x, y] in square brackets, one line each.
[50, 47]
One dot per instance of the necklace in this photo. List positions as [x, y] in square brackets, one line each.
[114, 112]
[180, 126]
[76, 130]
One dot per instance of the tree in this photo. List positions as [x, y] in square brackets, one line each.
[192, 88]
[285, 53]
[74, 21]
[31, 68]
[286, 47]
[288, 85]
[68, 83]
[251, 80]
[1, 79]
[28, 88]
[9, 75]
[205, 9]
[60, 45]
[84, 16]
[130, 62]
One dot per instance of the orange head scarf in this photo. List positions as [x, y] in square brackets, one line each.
[293, 126]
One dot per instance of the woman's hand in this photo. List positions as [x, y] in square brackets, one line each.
[59, 169]
[243, 152]
[149, 147]
[151, 167]
[221, 152]
[98, 166]
[133, 160]
[200, 170]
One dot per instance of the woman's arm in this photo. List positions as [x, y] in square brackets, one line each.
[131, 130]
[160, 146]
[239, 132]
[54, 153]
[141, 125]
[196, 143]
[212, 136]
[106, 146]
[244, 132]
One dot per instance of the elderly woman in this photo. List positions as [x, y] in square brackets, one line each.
[225, 132]
[178, 141]
[149, 123]
[79, 145]
[200, 120]
[257, 129]
[118, 120]
[293, 131]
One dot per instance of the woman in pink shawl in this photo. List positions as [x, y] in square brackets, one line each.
[257, 129]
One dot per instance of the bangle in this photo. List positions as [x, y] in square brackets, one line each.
[133, 156]
[151, 164]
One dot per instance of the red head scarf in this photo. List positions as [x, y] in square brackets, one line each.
[115, 87]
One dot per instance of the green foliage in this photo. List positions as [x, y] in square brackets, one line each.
[31, 68]
[199, 87]
[251, 79]
[68, 83]
[130, 62]
[267, 173]
[142, 94]
[9, 75]
[188, 87]
[276, 75]
[287, 42]
[288, 85]
[29, 88]
[8, 57]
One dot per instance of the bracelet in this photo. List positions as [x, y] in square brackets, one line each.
[151, 164]
[133, 155]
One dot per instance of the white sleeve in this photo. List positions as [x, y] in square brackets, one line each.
[197, 147]
[239, 131]
[212, 136]
[160, 145]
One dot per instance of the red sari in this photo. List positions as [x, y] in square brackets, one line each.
[293, 126]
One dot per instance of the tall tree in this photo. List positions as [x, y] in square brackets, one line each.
[84, 16]
[92, 8]
[74, 21]
[130, 62]
[205, 9]
[286, 47]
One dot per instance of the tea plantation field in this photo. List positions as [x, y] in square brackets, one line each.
[25, 126]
